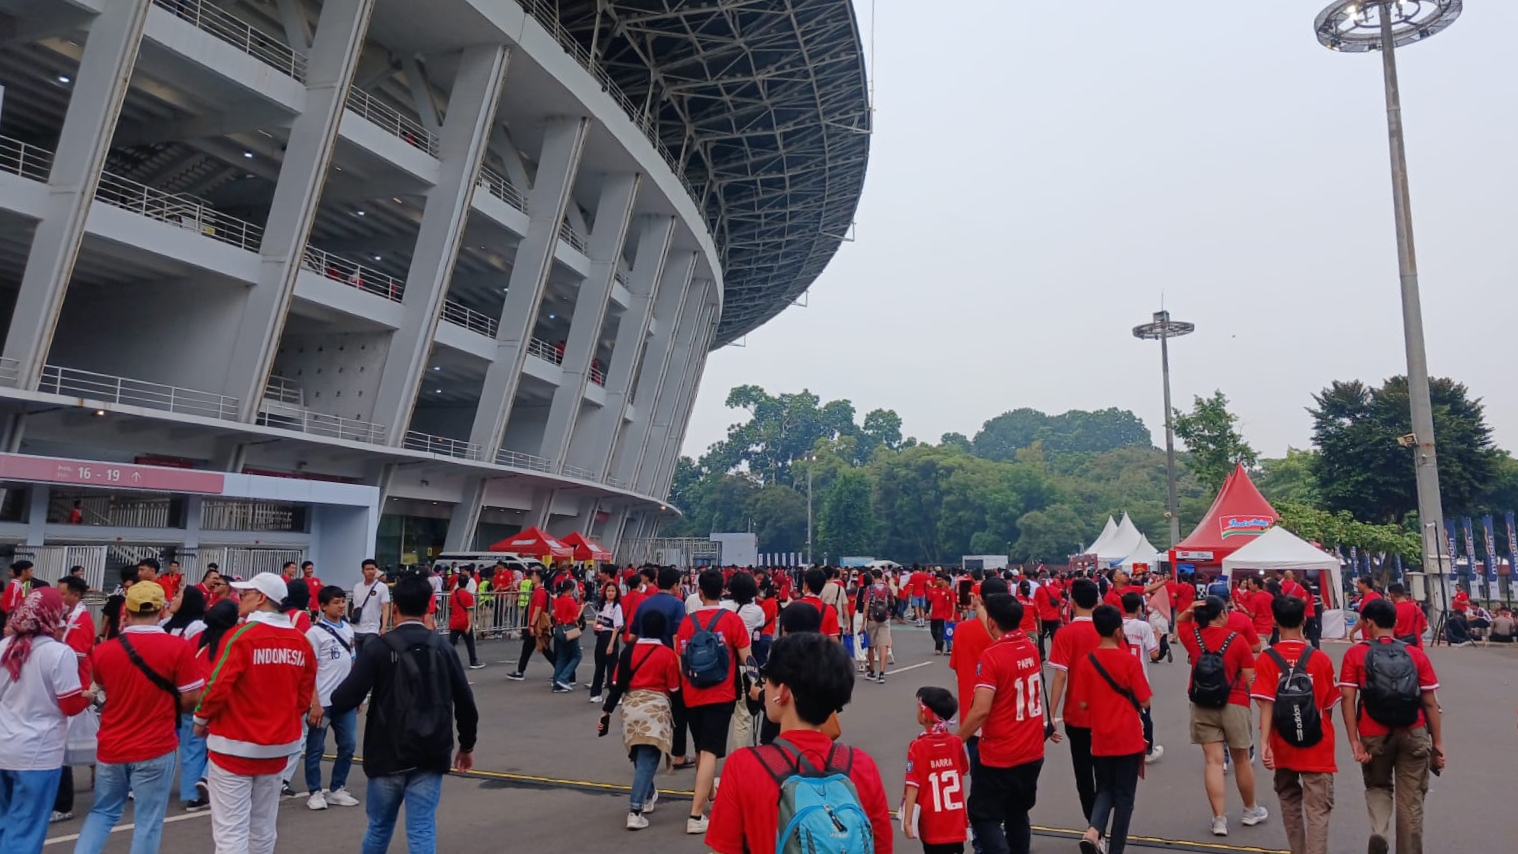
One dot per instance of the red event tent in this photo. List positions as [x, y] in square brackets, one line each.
[1238, 515]
[533, 542]
[586, 548]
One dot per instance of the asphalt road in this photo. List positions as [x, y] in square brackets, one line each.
[546, 783]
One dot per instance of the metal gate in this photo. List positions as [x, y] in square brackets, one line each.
[241, 562]
[51, 563]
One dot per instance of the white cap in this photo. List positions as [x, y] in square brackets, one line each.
[267, 583]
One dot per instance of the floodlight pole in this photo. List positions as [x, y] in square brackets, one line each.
[1163, 329]
[1346, 26]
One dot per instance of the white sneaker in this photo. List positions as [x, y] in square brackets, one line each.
[696, 826]
[1220, 825]
[648, 805]
[317, 801]
[598, 699]
[1154, 755]
[1254, 816]
[636, 822]
[341, 798]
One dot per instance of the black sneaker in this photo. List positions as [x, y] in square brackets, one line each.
[518, 676]
[285, 791]
[202, 790]
[1377, 845]
[196, 805]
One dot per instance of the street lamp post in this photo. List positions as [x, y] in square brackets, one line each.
[809, 459]
[1162, 328]
[1359, 26]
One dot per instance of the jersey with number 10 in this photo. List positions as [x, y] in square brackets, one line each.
[1013, 734]
[936, 767]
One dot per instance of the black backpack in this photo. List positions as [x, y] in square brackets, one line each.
[1391, 694]
[417, 711]
[1210, 685]
[879, 605]
[1297, 719]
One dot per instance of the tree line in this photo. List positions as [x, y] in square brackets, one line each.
[1037, 487]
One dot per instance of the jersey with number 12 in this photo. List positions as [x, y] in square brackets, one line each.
[936, 766]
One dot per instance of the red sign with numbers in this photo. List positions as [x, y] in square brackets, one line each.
[109, 475]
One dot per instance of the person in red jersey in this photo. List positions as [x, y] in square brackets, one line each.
[149, 676]
[1008, 713]
[1411, 621]
[1205, 631]
[1304, 773]
[313, 585]
[635, 594]
[1462, 601]
[647, 674]
[1395, 760]
[1026, 599]
[971, 639]
[1244, 624]
[940, 610]
[1368, 595]
[933, 806]
[815, 579]
[1256, 605]
[1071, 645]
[79, 635]
[1050, 603]
[1122, 583]
[252, 716]
[567, 611]
[807, 679]
[1290, 587]
[1115, 692]
[537, 632]
[709, 708]
[461, 621]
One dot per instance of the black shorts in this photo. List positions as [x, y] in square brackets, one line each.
[998, 793]
[708, 727]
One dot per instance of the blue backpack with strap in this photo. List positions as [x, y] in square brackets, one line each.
[706, 659]
[819, 810]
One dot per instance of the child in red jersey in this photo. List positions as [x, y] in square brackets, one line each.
[933, 808]
[1114, 692]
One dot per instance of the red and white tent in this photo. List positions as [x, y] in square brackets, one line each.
[586, 548]
[1238, 515]
[534, 542]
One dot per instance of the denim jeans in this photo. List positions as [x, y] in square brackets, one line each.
[192, 758]
[566, 658]
[645, 759]
[345, 729]
[151, 783]
[26, 801]
[421, 790]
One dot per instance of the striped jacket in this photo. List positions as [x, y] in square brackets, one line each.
[260, 691]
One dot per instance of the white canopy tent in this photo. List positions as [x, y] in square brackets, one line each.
[1107, 532]
[1144, 553]
[1125, 547]
[1279, 549]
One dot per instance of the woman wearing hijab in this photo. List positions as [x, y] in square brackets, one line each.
[39, 692]
[218, 621]
[186, 613]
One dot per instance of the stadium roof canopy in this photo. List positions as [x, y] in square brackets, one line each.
[765, 104]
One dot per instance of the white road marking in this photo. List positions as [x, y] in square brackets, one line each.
[122, 828]
[908, 667]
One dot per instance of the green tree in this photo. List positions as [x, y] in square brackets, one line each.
[846, 521]
[781, 428]
[1213, 445]
[957, 440]
[1000, 437]
[882, 429]
[1361, 468]
[1049, 535]
[778, 514]
[1289, 478]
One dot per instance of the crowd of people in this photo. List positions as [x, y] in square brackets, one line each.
[222, 690]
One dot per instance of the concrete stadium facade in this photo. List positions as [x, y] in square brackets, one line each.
[421, 273]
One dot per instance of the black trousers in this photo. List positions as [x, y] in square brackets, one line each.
[64, 802]
[935, 627]
[678, 743]
[606, 659]
[1148, 720]
[944, 848]
[1080, 762]
[1046, 632]
[1117, 780]
[468, 636]
[1000, 800]
[1313, 630]
[529, 646]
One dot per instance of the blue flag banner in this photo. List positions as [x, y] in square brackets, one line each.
[1449, 538]
[1397, 567]
[1491, 549]
[1365, 558]
[1354, 562]
[1470, 547]
[1512, 547]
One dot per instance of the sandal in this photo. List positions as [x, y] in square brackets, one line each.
[684, 764]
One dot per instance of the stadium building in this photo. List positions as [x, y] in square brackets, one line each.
[287, 279]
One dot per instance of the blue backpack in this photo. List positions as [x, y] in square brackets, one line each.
[706, 659]
[819, 811]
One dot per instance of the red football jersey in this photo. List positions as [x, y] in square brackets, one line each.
[1071, 645]
[936, 767]
[1013, 734]
[1267, 676]
[1352, 675]
[1116, 728]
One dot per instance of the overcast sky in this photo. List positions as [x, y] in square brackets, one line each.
[1041, 173]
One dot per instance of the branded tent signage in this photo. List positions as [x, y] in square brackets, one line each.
[1236, 518]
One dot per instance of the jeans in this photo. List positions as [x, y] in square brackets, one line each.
[1117, 780]
[468, 636]
[345, 728]
[421, 790]
[192, 758]
[567, 654]
[1085, 771]
[606, 659]
[645, 759]
[151, 783]
[25, 800]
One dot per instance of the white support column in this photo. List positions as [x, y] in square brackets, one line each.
[687, 400]
[465, 518]
[611, 535]
[105, 74]
[471, 111]
[681, 355]
[675, 296]
[563, 143]
[329, 72]
[596, 431]
[613, 213]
